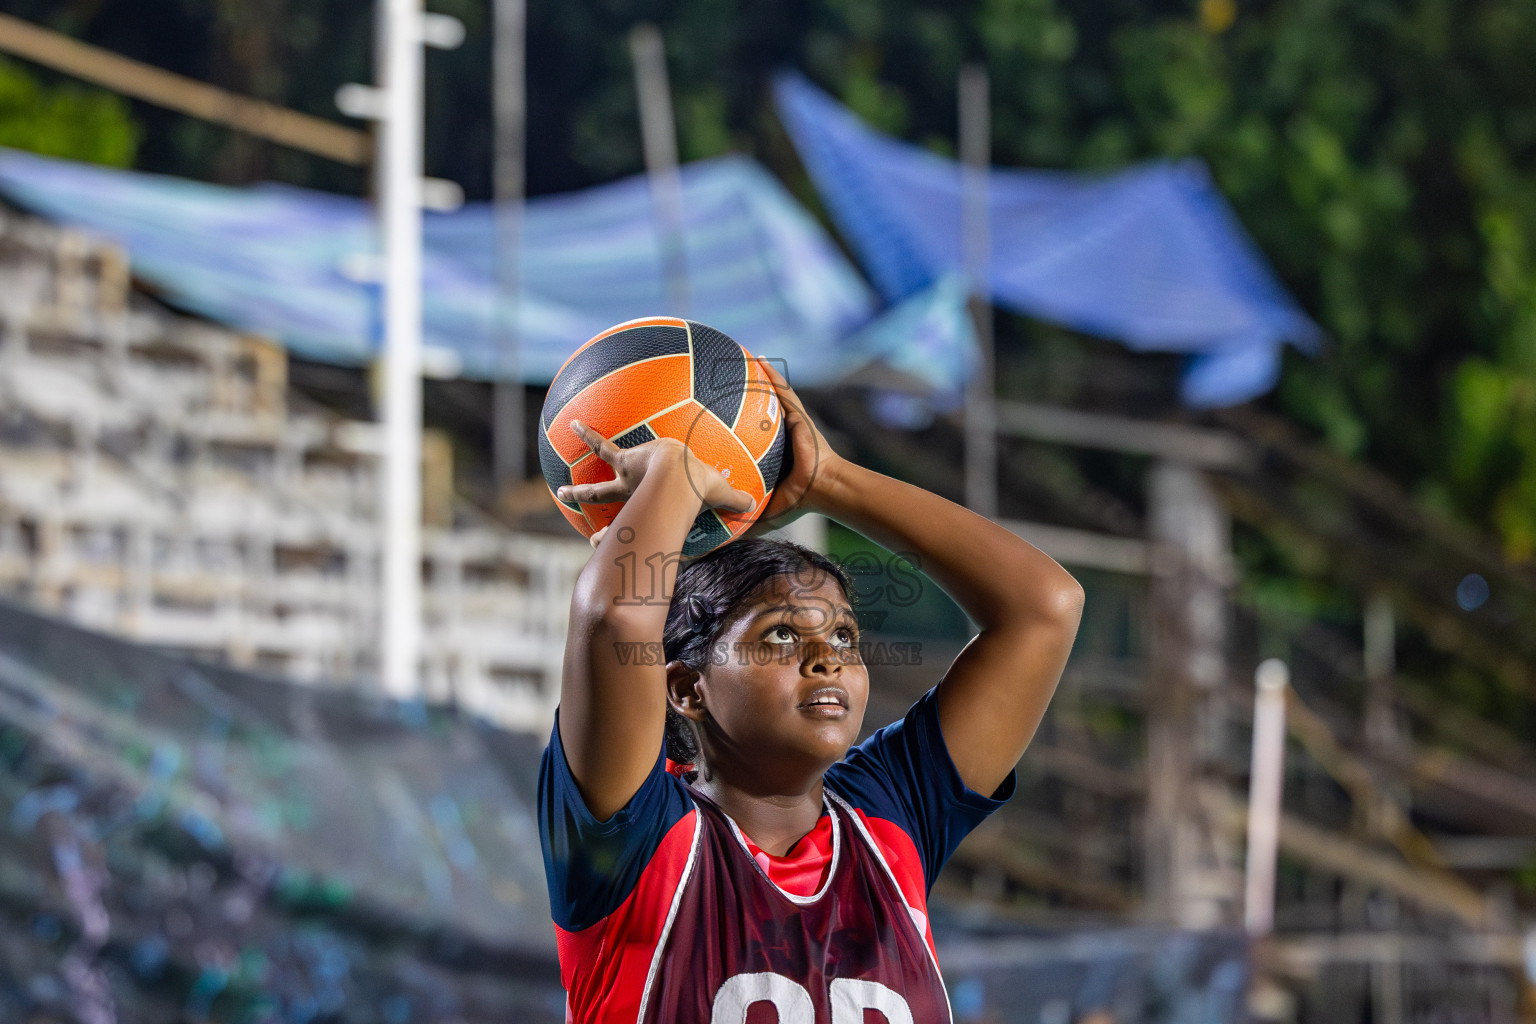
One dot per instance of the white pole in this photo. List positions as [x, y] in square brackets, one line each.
[1264, 785]
[976, 246]
[658, 137]
[400, 188]
[1380, 649]
[509, 93]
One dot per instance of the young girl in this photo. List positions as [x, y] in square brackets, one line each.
[776, 866]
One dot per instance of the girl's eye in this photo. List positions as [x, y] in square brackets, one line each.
[845, 637]
[782, 635]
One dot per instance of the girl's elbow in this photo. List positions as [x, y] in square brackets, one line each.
[1066, 602]
[599, 617]
[595, 598]
[1059, 606]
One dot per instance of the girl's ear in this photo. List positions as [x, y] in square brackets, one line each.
[683, 691]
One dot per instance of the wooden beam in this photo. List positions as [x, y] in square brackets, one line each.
[1487, 853]
[184, 95]
[1491, 740]
[1195, 446]
[1484, 800]
[1321, 848]
[1357, 780]
[1306, 955]
[1513, 793]
[1429, 888]
[988, 850]
[1129, 555]
[1378, 492]
[1364, 560]
[1083, 770]
[1101, 847]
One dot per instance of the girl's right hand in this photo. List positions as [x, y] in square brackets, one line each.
[631, 465]
[809, 465]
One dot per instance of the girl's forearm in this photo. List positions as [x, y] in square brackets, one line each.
[631, 572]
[996, 576]
[612, 710]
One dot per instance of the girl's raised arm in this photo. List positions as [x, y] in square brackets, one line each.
[995, 693]
[613, 700]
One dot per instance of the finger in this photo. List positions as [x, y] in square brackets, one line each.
[739, 502]
[597, 538]
[779, 381]
[604, 448]
[593, 494]
[787, 396]
[773, 373]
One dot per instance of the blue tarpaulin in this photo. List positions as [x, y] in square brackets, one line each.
[285, 262]
[1151, 256]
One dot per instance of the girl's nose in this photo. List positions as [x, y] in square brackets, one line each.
[820, 656]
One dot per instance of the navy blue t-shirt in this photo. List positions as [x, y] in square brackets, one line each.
[614, 885]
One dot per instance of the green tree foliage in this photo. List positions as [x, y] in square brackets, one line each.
[1381, 152]
[284, 51]
[64, 120]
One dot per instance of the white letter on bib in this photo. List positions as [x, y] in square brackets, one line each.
[851, 997]
[791, 1002]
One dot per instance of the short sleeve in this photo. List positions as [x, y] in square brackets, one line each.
[592, 866]
[904, 774]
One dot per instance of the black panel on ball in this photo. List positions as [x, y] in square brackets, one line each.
[633, 438]
[601, 358]
[556, 473]
[719, 373]
[773, 460]
[707, 534]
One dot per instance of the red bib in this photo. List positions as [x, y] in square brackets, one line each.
[735, 939]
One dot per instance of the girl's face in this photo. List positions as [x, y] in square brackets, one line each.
[786, 687]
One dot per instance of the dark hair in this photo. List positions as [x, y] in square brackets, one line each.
[713, 587]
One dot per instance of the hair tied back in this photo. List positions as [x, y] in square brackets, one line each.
[696, 612]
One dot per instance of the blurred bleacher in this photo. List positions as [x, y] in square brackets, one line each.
[159, 480]
[187, 842]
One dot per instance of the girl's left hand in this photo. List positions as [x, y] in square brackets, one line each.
[631, 465]
[809, 463]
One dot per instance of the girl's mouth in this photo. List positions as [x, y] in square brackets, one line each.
[827, 702]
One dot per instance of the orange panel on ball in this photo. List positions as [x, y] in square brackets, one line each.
[576, 519]
[760, 414]
[593, 470]
[712, 444]
[601, 515]
[621, 400]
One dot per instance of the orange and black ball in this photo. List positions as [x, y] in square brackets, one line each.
[665, 377]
